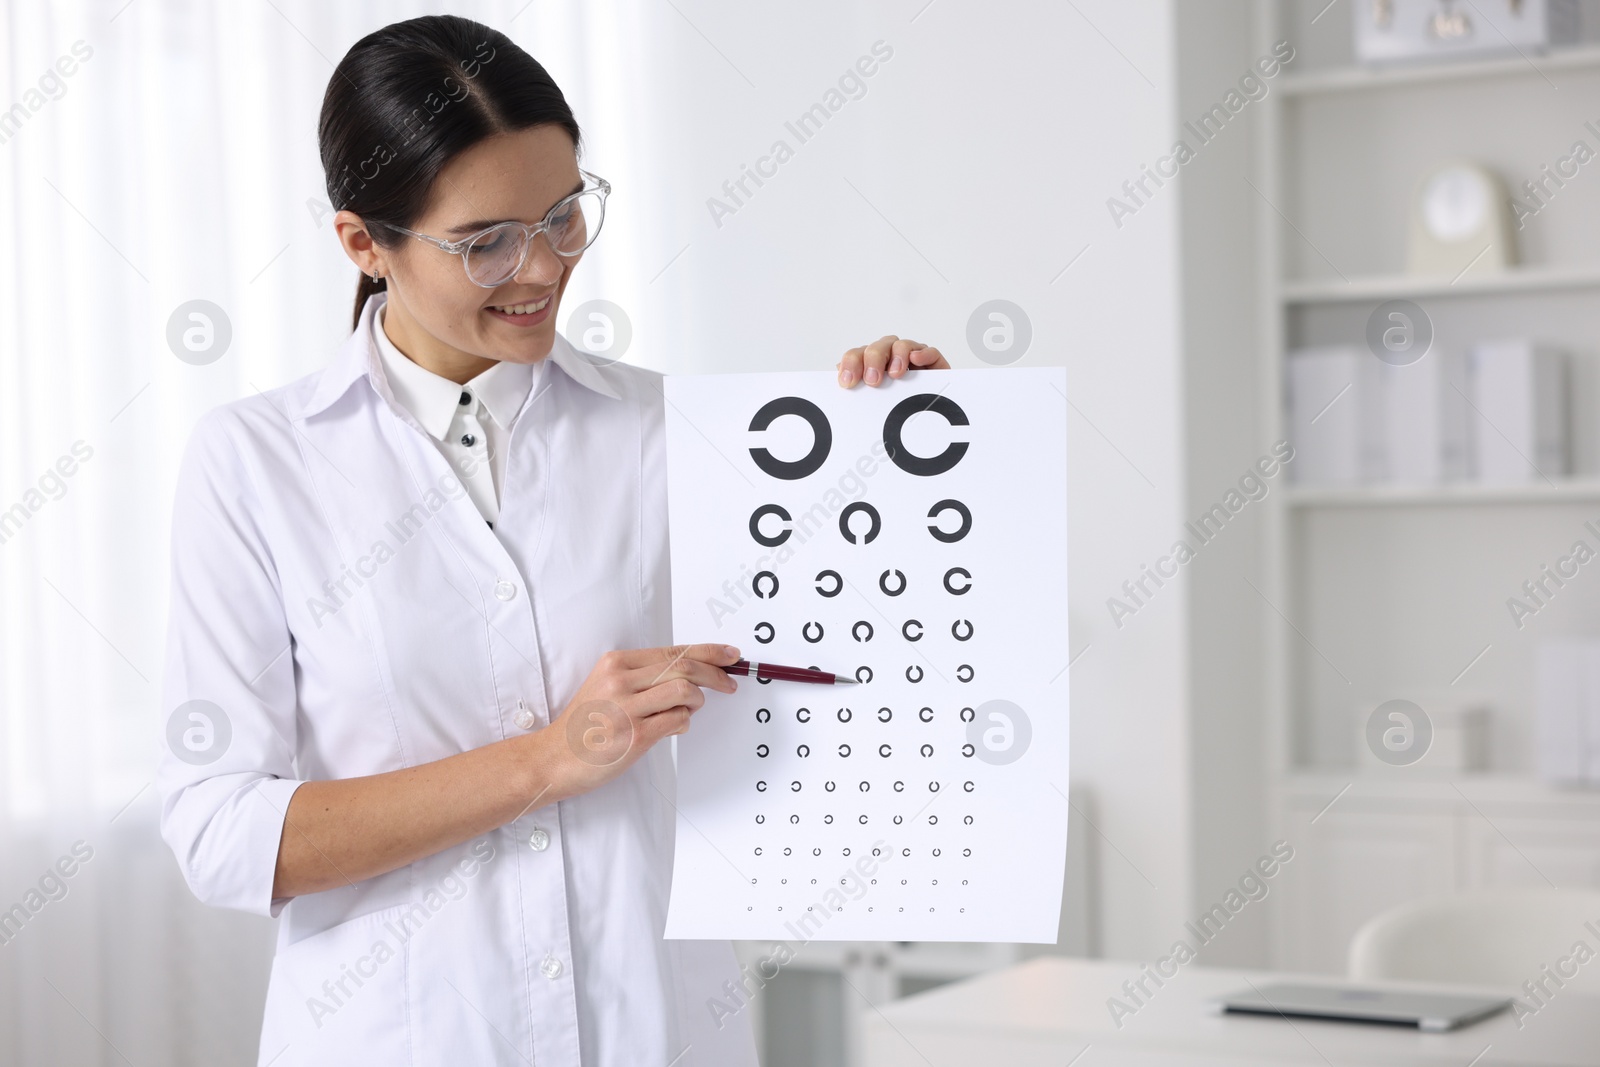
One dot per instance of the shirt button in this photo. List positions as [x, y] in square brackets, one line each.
[468, 440]
[504, 589]
[539, 840]
[466, 398]
[524, 719]
[550, 968]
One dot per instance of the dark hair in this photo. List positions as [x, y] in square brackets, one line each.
[407, 99]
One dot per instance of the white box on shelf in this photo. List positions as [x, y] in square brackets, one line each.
[1518, 422]
[1408, 31]
[1457, 727]
[1568, 711]
[1424, 420]
[1333, 415]
[1355, 420]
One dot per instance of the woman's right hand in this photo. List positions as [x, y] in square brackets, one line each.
[631, 700]
[340, 831]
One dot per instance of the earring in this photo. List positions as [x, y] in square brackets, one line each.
[374, 273]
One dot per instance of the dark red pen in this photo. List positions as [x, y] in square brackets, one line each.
[778, 673]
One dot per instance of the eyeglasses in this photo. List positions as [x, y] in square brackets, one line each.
[495, 255]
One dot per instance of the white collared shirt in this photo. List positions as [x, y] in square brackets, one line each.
[469, 423]
[339, 608]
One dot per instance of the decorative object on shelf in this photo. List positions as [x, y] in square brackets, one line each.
[1358, 420]
[1568, 745]
[1328, 427]
[1518, 428]
[1422, 733]
[1408, 31]
[1460, 223]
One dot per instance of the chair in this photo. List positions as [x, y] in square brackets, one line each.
[1495, 937]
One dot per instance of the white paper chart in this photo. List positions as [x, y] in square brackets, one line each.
[912, 536]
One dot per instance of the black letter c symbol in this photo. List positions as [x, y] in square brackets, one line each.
[755, 525]
[875, 523]
[923, 466]
[822, 435]
[948, 538]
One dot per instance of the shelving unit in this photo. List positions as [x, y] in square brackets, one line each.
[1353, 79]
[1389, 590]
[1367, 496]
[1404, 286]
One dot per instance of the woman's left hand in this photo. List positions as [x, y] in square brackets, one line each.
[889, 355]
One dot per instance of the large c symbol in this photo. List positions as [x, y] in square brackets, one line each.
[821, 432]
[923, 466]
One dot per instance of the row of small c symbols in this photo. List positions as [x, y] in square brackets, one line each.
[787, 851]
[914, 673]
[885, 750]
[874, 523]
[794, 820]
[764, 715]
[866, 787]
[771, 581]
[961, 630]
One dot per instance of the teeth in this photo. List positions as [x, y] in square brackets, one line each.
[523, 309]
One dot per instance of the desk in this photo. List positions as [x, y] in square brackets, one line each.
[1049, 1010]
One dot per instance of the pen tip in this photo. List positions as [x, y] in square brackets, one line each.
[844, 681]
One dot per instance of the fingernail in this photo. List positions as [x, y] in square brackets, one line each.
[846, 378]
[733, 685]
[872, 375]
[731, 651]
[896, 365]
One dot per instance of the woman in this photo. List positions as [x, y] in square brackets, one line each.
[419, 601]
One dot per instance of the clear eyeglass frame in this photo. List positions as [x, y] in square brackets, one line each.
[593, 185]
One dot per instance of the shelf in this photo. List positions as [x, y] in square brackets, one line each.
[1360, 496]
[1399, 286]
[1359, 79]
[1313, 788]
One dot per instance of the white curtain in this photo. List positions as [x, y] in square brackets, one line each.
[152, 153]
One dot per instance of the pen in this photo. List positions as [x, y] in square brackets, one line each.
[776, 672]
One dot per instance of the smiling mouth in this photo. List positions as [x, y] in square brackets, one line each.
[532, 308]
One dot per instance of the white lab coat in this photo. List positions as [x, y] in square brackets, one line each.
[339, 608]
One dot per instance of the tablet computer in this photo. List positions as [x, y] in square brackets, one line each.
[1423, 1010]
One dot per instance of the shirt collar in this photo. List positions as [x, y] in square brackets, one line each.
[433, 399]
[358, 357]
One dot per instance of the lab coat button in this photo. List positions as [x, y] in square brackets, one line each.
[540, 840]
[504, 590]
[466, 398]
[551, 968]
[525, 719]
